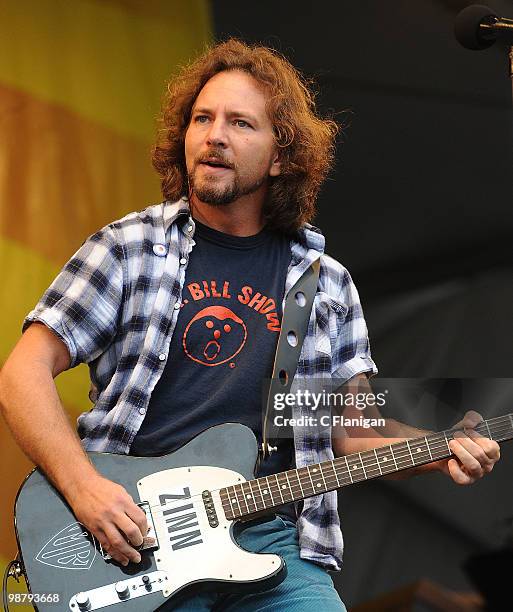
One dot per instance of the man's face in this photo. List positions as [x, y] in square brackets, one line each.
[229, 145]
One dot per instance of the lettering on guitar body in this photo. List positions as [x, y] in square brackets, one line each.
[73, 548]
[180, 519]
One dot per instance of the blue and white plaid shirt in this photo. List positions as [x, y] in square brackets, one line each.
[115, 306]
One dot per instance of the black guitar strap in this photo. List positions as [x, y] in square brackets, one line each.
[296, 314]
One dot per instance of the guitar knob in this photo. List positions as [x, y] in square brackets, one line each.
[123, 590]
[83, 602]
[147, 583]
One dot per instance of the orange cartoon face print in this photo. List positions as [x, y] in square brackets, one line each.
[214, 336]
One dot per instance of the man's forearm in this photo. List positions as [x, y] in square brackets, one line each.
[33, 411]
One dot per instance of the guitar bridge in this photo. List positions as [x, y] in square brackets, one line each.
[150, 541]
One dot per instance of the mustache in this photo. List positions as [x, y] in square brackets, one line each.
[214, 155]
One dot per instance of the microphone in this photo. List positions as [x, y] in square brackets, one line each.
[477, 27]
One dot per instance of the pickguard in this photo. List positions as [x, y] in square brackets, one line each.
[190, 548]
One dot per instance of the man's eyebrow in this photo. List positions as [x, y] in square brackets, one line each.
[233, 113]
[198, 109]
[240, 113]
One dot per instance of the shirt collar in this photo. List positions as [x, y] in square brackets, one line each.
[173, 210]
[311, 237]
[308, 236]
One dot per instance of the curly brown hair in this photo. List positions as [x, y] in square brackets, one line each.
[306, 141]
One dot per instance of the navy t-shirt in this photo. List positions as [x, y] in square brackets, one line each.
[223, 345]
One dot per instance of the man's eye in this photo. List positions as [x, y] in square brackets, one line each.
[201, 119]
[241, 123]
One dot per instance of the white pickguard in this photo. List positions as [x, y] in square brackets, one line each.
[186, 555]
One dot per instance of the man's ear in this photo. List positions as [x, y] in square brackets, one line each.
[275, 168]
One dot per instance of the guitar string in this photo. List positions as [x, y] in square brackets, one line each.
[496, 429]
[293, 493]
[408, 463]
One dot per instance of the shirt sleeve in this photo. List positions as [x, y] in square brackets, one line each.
[351, 353]
[83, 303]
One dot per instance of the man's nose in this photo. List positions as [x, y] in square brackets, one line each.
[217, 136]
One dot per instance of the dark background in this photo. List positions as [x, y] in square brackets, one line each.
[419, 209]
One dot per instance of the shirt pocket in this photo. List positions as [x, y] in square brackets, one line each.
[330, 314]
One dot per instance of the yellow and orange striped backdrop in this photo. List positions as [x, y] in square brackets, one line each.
[80, 87]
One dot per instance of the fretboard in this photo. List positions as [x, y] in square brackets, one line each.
[261, 494]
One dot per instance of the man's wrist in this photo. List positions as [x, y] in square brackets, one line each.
[86, 474]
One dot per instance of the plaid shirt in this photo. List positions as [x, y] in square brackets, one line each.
[115, 306]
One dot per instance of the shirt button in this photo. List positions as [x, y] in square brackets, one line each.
[176, 306]
[183, 261]
[160, 249]
[142, 410]
[162, 357]
[190, 228]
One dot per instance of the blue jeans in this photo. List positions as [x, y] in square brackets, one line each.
[306, 585]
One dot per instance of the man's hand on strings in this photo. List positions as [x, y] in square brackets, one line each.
[474, 454]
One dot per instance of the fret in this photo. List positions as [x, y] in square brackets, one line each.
[502, 428]
[393, 456]
[276, 489]
[299, 482]
[323, 479]
[254, 496]
[355, 467]
[343, 472]
[434, 448]
[248, 497]
[304, 493]
[436, 441]
[292, 494]
[429, 450]
[284, 488]
[447, 443]
[270, 491]
[377, 460]
[402, 458]
[225, 500]
[335, 472]
[278, 485]
[421, 450]
[243, 497]
[257, 480]
[381, 452]
[308, 471]
[411, 454]
[235, 499]
[363, 467]
[503, 434]
[348, 470]
[330, 476]
[306, 479]
[373, 468]
[317, 485]
[488, 429]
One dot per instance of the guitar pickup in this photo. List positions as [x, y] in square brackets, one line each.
[150, 540]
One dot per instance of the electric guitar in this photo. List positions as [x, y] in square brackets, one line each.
[193, 498]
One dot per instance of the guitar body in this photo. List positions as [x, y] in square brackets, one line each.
[195, 549]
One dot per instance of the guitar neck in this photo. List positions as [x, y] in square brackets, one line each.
[260, 494]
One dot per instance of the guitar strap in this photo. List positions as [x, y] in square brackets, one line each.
[294, 325]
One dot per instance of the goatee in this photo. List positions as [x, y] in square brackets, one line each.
[217, 195]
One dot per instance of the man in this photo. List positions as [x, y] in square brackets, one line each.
[177, 310]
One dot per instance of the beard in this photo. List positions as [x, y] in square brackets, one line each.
[211, 191]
